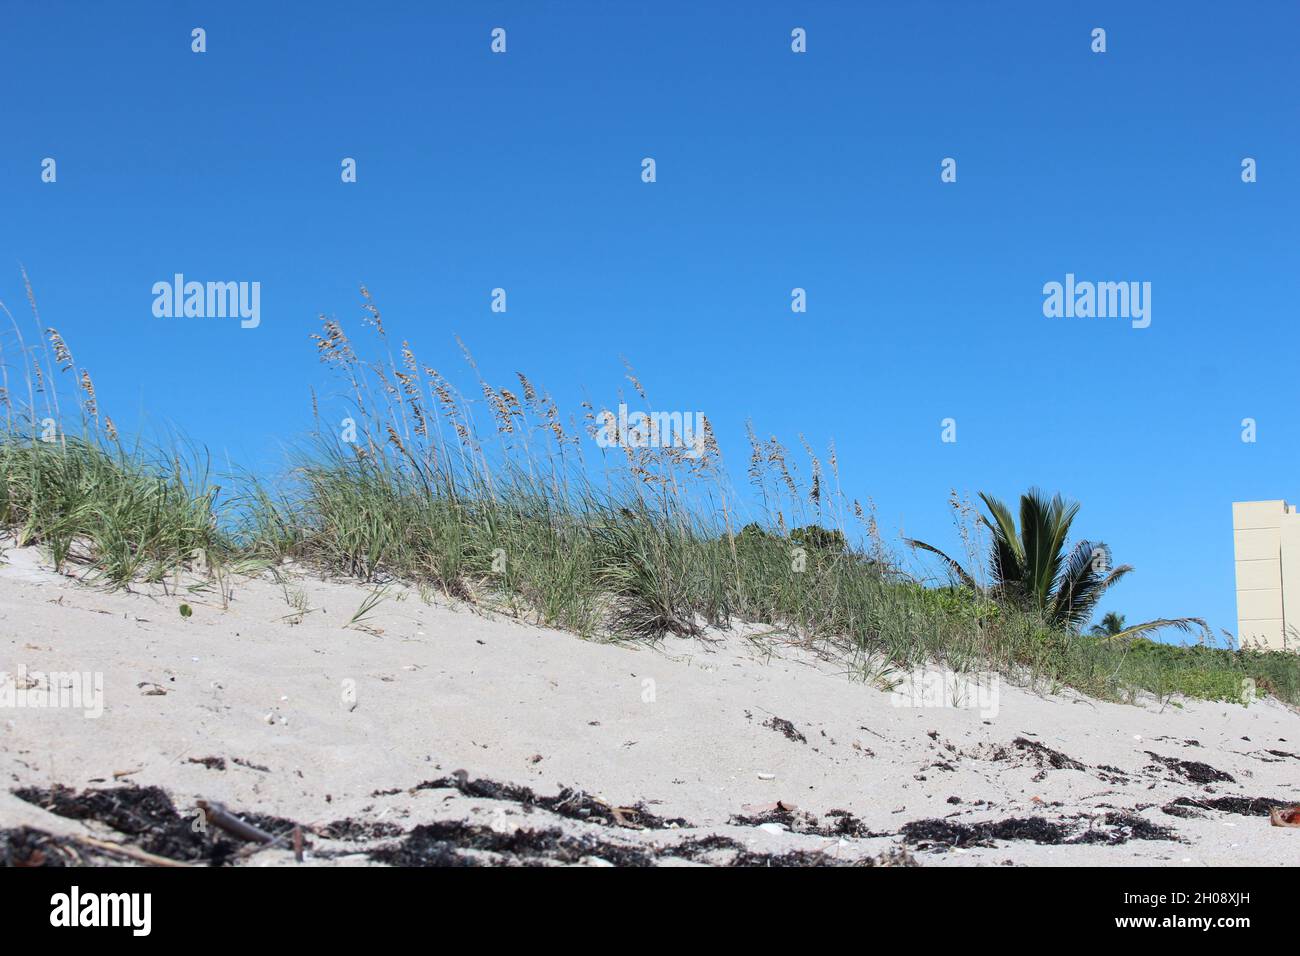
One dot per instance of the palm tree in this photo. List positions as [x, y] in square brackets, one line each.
[1032, 569]
[1111, 624]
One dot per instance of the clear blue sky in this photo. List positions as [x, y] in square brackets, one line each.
[775, 170]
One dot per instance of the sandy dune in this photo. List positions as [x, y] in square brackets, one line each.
[315, 722]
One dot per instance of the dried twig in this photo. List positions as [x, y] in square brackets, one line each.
[130, 852]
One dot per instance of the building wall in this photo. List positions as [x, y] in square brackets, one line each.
[1266, 544]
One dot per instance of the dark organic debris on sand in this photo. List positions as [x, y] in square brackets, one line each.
[446, 842]
[1023, 751]
[798, 821]
[1114, 829]
[783, 726]
[145, 821]
[457, 843]
[1046, 757]
[571, 803]
[145, 814]
[356, 831]
[1244, 806]
[27, 846]
[1110, 774]
[1192, 770]
[148, 817]
[793, 858]
[212, 763]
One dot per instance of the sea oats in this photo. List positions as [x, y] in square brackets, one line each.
[776, 456]
[417, 413]
[372, 311]
[815, 490]
[530, 393]
[631, 377]
[87, 386]
[711, 448]
[465, 351]
[498, 408]
[756, 456]
[61, 353]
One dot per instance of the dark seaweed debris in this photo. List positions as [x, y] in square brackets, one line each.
[356, 831]
[212, 763]
[946, 833]
[1110, 774]
[450, 842]
[783, 726]
[1047, 756]
[570, 803]
[1192, 770]
[799, 858]
[797, 821]
[693, 848]
[146, 814]
[145, 817]
[445, 843]
[148, 817]
[1244, 806]
[27, 846]
[846, 824]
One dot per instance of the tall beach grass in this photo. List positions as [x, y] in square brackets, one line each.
[496, 497]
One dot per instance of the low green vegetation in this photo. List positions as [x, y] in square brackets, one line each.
[500, 502]
[1036, 569]
[124, 514]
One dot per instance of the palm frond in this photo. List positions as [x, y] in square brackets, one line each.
[1082, 583]
[954, 566]
[1007, 554]
[1044, 528]
[1188, 625]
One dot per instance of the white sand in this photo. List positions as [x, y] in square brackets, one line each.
[679, 727]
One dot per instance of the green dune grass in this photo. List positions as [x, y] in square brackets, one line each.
[500, 502]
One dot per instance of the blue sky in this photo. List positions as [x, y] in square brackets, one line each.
[775, 171]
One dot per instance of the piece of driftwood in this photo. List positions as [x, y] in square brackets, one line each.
[223, 819]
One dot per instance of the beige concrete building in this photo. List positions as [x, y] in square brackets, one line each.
[1266, 542]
